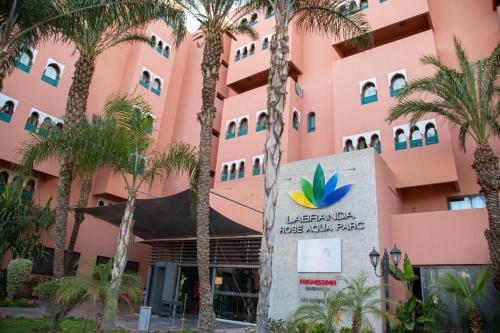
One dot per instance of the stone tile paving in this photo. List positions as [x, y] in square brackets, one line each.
[126, 320]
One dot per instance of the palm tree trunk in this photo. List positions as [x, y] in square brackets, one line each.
[76, 107]
[356, 322]
[99, 314]
[488, 178]
[85, 189]
[276, 98]
[212, 52]
[475, 322]
[124, 238]
[61, 218]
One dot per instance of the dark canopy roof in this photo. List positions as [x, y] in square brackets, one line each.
[168, 217]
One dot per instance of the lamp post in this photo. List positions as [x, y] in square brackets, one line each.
[384, 271]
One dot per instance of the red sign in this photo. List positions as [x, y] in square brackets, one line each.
[318, 282]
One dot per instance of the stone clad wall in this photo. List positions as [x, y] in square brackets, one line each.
[356, 168]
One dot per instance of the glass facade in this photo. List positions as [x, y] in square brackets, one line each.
[454, 318]
[235, 293]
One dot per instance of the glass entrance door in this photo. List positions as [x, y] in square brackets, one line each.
[236, 293]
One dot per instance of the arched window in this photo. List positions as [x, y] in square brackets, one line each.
[348, 146]
[431, 135]
[150, 121]
[398, 82]
[6, 111]
[361, 143]
[166, 52]
[45, 127]
[244, 21]
[343, 10]
[4, 180]
[32, 122]
[28, 190]
[238, 55]
[231, 130]
[363, 4]
[243, 128]
[241, 170]
[375, 143]
[256, 167]
[51, 75]
[353, 7]
[400, 139]
[262, 122]
[265, 44]
[145, 79]
[25, 61]
[311, 122]
[156, 86]
[415, 137]
[253, 19]
[245, 52]
[269, 12]
[232, 172]
[368, 93]
[224, 173]
[159, 48]
[252, 49]
[295, 120]
[59, 126]
[152, 42]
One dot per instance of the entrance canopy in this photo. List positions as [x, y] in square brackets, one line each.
[168, 217]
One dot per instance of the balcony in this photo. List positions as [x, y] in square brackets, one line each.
[416, 143]
[250, 70]
[5, 117]
[400, 145]
[432, 140]
[255, 171]
[50, 81]
[452, 237]
[390, 21]
[242, 132]
[230, 135]
[144, 84]
[368, 99]
[23, 67]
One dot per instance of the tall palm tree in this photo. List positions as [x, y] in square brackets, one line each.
[360, 300]
[94, 289]
[77, 143]
[140, 163]
[91, 33]
[217, 19]
[469, 98]
[322, 16]
[326, 313]
[467, 293]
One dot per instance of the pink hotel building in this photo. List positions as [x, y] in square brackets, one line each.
[337, 102]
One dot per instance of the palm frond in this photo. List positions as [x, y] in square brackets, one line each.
[328, 17]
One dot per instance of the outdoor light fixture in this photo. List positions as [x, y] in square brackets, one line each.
[396, 255]
[384, 270]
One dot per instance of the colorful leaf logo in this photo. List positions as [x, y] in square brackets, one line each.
[318, 194]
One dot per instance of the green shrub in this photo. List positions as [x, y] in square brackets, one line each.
[17, 273]
[47, 290]
[18, 303]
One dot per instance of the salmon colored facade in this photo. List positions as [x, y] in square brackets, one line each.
[327, 79]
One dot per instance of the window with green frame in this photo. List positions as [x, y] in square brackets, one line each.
[311, 122]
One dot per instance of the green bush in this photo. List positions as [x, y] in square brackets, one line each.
[47, 290]
[17, 273]
[18, 303]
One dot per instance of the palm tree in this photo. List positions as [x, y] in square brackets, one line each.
[217, 19]
[321, 16]
[467, 293]
[326, 313]
[469, 99]
[360, 300]
[91, 33]
[77, 143]
[139, 163]
[94, 289]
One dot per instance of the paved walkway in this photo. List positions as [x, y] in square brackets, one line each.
[126, 320]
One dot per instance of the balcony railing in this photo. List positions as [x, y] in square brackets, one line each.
[260, 127]
[416, 143]
[230, 135]
[30, 127]
[242, 132]
[395, 92]
[256, 171]
[49, 80]
[232, 176]
[400, 145]
[23, 67]
[431, 140]
[223, 177]
[369, 99]
[5, 117]
[144, 84]
[241, 174]
[156, 91]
